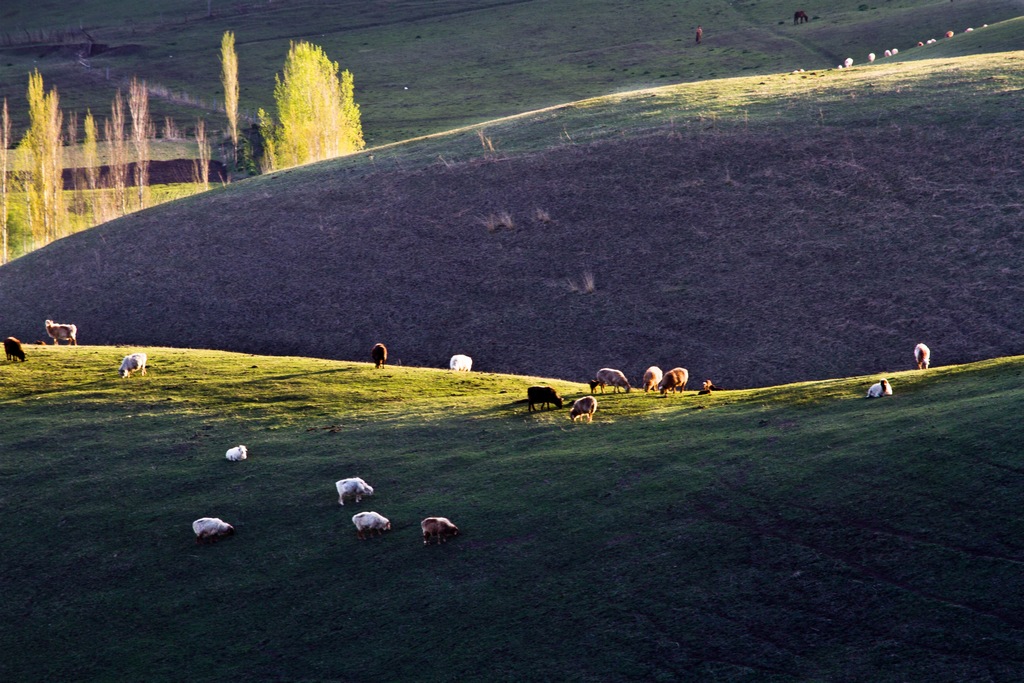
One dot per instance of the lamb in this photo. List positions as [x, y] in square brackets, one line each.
[379, 354]
[708, 387]
[674, 380]
[12, 347]
[606, 376]
[60, 331]
[438, 527]
[133, 362]
[461, 363]
[879, 389]
[651, 378]
[368, 522]
[211, 529]
[237, 453]
[923, 356]
[584, 407]
[353, 487]
[543, 396]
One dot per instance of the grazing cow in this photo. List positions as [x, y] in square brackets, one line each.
[651, 378]
[543, 396]
[370, 522]
[923, 356]
[708, 387]
[584, 407]
[461, 363]
[211, 529]
[379, 354]
[438, 527]
[674, 380]
[800, 17]
[131, 363]
[353, 488]
[59, 331]
[12, 347]
[606, 376]
[880, 389]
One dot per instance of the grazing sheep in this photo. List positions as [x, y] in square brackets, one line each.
[923, 356]
[461, 363]
[368, 522]
[652, 376]
[879, 389]
[133, 362]
[674, 380]
[438, 527]
[12, 347]
[211, 529]
[895, 52]
[848, 63]
[584, 407]
[353, 487]
[237, 453]
[606, 376]
[379, 354]
[58, 331]
[539, 395]
[949, 34]
[871, 57]
[888, 53]
[800, 17]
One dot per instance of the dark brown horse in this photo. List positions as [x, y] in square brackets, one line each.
[800, 17]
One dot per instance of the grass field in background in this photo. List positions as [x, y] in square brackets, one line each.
[789, 533]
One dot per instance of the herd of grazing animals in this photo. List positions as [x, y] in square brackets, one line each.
[439, 529]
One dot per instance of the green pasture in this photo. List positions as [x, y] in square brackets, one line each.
[798, 532]
[423, 67]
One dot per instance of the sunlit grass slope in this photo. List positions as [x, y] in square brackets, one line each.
[791, 533]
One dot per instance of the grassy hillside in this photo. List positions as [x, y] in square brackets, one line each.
[797, 532]
[756, 231]
[426, 66]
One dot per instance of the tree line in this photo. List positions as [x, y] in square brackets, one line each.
[317, 118]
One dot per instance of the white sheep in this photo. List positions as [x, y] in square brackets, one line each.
[652, 377]
[237, 453]
[888, 53]
[584, 407]
[133, 362]
[849, 62]
[895, 52]
[922, 356]
[352, 487]
[880, 389]
[461, 363]
[209, 529]
[59, 331]
[606, 376]
[871, 57]
[367, 522]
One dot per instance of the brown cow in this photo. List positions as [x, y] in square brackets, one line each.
[12, 347]
[800, 17]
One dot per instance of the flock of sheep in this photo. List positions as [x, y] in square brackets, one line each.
[848, 62]
[210, 529]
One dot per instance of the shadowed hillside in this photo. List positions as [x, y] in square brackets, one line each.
[752, 258]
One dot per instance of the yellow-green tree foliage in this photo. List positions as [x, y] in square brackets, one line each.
[42, 143]
[229, 79]
[317, 114]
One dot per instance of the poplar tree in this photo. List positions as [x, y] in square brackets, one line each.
[229, 78]
[138, 105]
[42, 142]
[317, 114]
[5, 143]
[201, 167]
[90, 160]
[114, 129]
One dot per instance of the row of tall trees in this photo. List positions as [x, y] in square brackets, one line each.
[317, 119]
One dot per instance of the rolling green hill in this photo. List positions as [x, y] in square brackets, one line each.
[423, 66]
[797, 532]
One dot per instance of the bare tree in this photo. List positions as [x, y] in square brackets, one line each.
[229, 78]
[138, 104]
[201, 167]
[114, 129]
[90, 160]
